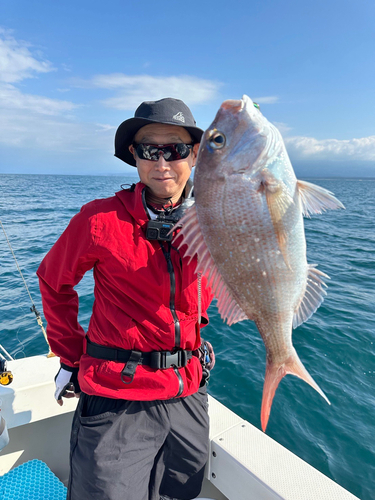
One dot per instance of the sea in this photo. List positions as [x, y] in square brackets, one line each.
[337, 344]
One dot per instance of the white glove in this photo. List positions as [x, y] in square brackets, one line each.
[67, 385]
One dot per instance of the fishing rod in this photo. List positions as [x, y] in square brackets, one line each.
[33, 307]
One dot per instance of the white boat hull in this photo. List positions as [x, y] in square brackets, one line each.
[244, 464]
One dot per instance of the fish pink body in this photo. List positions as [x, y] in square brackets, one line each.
[246, 228]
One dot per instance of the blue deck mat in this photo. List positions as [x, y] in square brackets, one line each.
[31, 481]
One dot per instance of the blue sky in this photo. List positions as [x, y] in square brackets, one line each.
[71, 72]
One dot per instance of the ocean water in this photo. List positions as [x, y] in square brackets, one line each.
[337, 345]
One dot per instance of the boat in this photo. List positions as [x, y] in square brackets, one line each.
[244, 463]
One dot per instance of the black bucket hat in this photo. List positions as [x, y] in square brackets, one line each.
[169, 111]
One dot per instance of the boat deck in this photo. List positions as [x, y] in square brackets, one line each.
[244, 463]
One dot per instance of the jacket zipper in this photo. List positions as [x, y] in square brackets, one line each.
[172, 306]
[177, 328]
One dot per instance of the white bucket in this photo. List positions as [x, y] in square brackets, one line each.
[4, 436]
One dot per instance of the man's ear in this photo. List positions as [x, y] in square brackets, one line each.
[195, 151]
[132, 150]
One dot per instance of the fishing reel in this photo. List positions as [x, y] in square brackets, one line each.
[6, 377]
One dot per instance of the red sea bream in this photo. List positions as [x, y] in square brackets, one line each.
[246, 228]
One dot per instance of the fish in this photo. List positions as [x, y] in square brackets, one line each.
[246, 231]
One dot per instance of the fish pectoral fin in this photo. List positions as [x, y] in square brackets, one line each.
[274, 374]
[278, 198]
[313, 296]
[191, 235]
[315, 199]
[278, 202]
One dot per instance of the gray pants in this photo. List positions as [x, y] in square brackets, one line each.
[138, 450]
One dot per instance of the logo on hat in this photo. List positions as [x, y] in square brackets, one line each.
[179, 116]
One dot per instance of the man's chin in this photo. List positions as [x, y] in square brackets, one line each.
[166, 189]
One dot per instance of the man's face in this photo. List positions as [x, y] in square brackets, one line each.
[164, 179]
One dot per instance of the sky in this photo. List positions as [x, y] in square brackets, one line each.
[71, 72]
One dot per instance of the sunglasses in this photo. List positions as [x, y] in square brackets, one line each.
[170, 152]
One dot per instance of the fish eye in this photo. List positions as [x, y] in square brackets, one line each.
[216, 140]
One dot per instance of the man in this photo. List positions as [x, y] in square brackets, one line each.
[140, 431]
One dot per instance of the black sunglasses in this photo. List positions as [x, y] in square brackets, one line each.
[170, 152]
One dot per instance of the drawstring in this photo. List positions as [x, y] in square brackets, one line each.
[199, 298]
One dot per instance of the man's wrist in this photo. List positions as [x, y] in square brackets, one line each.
[73, 369]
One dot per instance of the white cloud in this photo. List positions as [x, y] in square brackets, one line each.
[271, 99]
[16, 64]
[27, 120]
[66, 67]
[105, 126]
[13, 99]
[16, 60]
[282, 127]
[50, 133]
[132, 90]
[309, 148]
[40, 123]
[362, 149]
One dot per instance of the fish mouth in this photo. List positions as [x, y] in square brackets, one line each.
[233, 105]
[262, 134]
[245, 107]
[249, 106]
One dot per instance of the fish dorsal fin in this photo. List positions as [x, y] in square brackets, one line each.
[278, 202]
[313, 297]
[316, 199]
[191, 235]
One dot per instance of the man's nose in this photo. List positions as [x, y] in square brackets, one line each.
[161, 163]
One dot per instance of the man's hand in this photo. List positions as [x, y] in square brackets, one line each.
[209, 355]
[205, 354]
[67, 385]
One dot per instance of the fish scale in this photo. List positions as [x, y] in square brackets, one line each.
[246, 229]
[247, 275]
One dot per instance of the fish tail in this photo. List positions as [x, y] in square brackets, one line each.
[274, 373]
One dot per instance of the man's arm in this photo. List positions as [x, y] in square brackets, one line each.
[62, 268]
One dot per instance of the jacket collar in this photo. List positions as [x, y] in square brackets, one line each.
[132, 199]
[135, 202]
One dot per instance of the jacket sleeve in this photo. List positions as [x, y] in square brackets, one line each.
[61, 269]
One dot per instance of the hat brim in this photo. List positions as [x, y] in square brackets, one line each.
[127, 130]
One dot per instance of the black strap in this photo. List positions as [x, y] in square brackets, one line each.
[128, 371]
[159, 360]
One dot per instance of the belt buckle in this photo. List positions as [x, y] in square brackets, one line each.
[162, 360]
[179, 359]
[183, 358]
[172, 359]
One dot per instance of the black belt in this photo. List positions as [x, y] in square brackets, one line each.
[159, 360]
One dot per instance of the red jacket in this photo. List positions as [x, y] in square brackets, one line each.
[132, 299]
